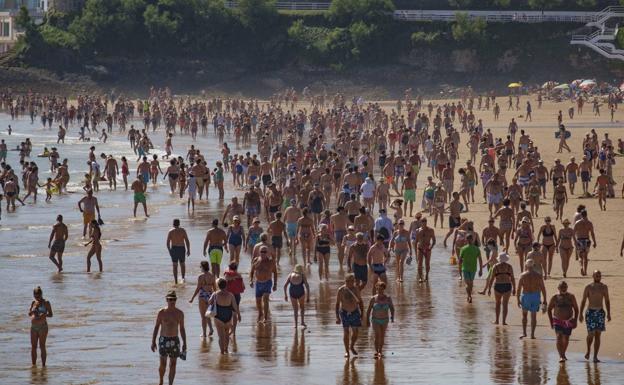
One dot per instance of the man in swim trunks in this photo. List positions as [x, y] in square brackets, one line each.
[179, 248]
[277, 228]
[377, 257]
[216, 240]
[583, 228]
[262, 269]
[424, 242]
[357, 261]
[291, 216]
[339, 223]
[409, 192]
[251, 203]
[139, 189]
[563, 313]
[470, 260]
[349, 310]
[530, 285]
[168, 322]
[88, 206]
[595, 294]
[56, 244]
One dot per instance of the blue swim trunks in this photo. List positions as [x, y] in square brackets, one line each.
[530, 301]
[351, 320]
[595, 320]
[263, 288]
[469, 275]
[291, 229]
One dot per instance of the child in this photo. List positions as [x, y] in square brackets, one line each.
[253, 235]
[87, 183]
[397, 206]
[48, 189]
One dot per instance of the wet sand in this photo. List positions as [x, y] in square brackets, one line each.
[102, 327]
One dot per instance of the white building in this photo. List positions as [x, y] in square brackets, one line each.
[8, 11]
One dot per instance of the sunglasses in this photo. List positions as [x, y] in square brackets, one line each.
[171, 299]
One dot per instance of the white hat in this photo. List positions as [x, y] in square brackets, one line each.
[503, 257]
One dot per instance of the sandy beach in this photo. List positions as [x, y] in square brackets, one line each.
[102, 325]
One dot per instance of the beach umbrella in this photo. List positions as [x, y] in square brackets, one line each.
[562, 87]
[622, 87]
[514, 85]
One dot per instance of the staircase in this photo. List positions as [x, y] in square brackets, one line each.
[601, 40]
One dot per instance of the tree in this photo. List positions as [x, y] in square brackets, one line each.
[465, 29]
[459, 3]
[544, 4]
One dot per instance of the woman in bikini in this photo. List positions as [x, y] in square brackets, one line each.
[514, 194]
[560, 198]
[225, 309]
[40, 310]
[548, 235]
[154, 169]
[235, 238]
[306, 235]
[323, 250]
[205, 287]
[382, 310]
[173, 172]
[565, 245]
[95, 233]
[534, 196]
[502, 278]
[297, 286]
[182, 180]
[400, 244]
[125, 171]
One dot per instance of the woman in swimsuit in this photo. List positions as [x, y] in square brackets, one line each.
[565, 245]
[560, 198]
[400, 244]
[205, 287]
[299, 291]
[382, 311]
[254, 233]
[534, 197]
[305, 233]
[548, 234]
[154, 169]
[182, 181]
[40, 310]
[524, 240]
[95, 233]
[323, 250]
[226, 309]
[235, 239]
[502, 278]
[125, 171]
[173, 172]
[514, 194]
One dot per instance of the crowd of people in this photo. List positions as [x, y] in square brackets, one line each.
[332, 177]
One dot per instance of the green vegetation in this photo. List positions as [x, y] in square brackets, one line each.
[255, 36]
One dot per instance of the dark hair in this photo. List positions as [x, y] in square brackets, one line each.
[205, 266]
[222, 283]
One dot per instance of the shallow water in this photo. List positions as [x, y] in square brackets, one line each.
[102, 324]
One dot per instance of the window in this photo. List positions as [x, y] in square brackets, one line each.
[5, 29]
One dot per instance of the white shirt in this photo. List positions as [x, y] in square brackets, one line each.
[368, 189]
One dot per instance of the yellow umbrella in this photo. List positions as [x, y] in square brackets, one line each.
[514, 85]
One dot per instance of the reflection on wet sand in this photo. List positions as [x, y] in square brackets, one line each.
[299, 353]
[593, 373]
[350, 373]
[38, 375]
[380, 373]
[502, 357]
[533, 368]
[265, 347]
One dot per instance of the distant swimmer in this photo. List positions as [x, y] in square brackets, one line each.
[168, 321]
[56, 244]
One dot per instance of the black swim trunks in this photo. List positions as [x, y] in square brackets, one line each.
[178, 254]
[169, 347]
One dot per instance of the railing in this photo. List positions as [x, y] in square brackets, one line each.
[291, 5]
[497, 16]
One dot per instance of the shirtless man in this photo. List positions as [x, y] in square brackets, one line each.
[571, 172]
[364, 223]
[139, 189]
[88, 206]
[168, 321]
[179, 248]
[291, 216]
[583, 228]
[339, 223]
[530, 286]
[349, 311]
[273, 201]
[585, 170]
[232, 210]
[111, 170]
[251, 203]
[216, 240]
[277, 228]
[601, 187]
[143, 171]
[425, 240]
[377, 258]
[563, 312]
[455, 209]
[56, 243]
[408, 189]
[266, 172]
[262, 269]
[357, 262]
[595, 294]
